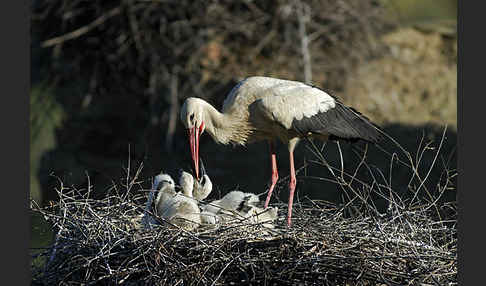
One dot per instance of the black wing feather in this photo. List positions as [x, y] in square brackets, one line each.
[341, 122]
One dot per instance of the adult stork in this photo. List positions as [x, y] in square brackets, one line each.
[265, 108]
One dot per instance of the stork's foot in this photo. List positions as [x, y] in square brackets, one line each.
[289, 222]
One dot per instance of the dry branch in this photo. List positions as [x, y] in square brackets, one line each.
[101, 241]
[81, 31]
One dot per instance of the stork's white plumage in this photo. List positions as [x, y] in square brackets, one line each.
[263, 216]
[203, 188]
[180, 209]
[162, 191]
[201, 191]
[241, 206]
[232, 201]
[264, 108]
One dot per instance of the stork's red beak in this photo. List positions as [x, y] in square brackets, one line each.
[194, 134]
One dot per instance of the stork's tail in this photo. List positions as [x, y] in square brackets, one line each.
[356, 126]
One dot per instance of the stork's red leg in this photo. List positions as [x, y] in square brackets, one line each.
[293, 182]
[273, 158]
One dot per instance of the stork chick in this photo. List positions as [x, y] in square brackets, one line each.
[202, 188]
[258, 215]
[201, 191]
[161, 192]
[232, 201]
[240, 205]
[177, 208]
[183, 209]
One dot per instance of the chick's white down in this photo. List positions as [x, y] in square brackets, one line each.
[202, 189]
[162, 190]
[180, 209]
[242, 206]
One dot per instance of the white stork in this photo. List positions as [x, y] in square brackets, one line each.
[202, 188]
[183, 209]
[178, 208]
[232, 201]
[264, 108]
[163, 189]
[240, 205]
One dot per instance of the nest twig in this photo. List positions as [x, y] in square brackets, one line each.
[98, 241]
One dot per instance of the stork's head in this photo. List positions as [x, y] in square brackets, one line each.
[162, 182]
[192, 116]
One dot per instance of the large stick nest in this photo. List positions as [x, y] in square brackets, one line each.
[100, 241]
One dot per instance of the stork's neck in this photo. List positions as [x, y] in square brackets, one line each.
[225, 127]
[188, 191]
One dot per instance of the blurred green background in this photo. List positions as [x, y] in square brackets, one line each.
[111, 89]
